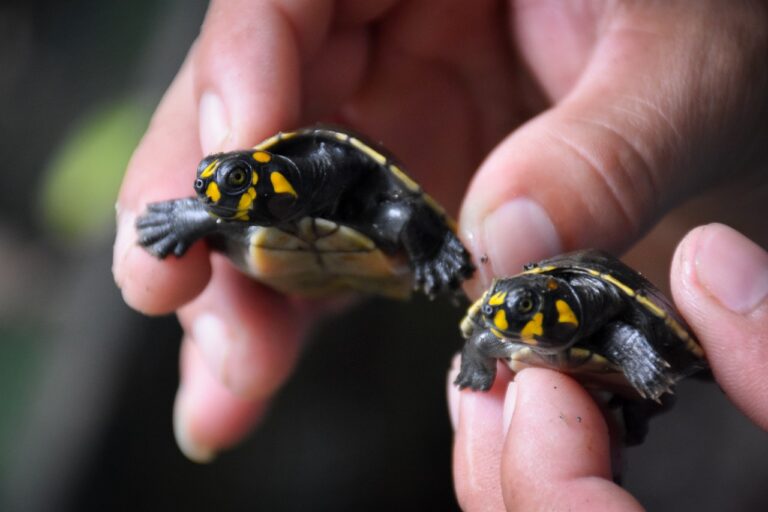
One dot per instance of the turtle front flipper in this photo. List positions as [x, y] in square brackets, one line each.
[643, 367]
[173, 226]
[439, 260]
[445, 269]
[478, 360]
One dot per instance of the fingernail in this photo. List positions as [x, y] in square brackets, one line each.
[214, 340]
[214, 123]
[125, 240]
[518, 232]
[732, 268]
[181, 431]
[454, 395]
[510, 399]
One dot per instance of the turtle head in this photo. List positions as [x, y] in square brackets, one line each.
[537, 310]
[251, 186]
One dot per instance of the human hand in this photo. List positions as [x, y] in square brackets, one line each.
[541, 442]
[643, 114]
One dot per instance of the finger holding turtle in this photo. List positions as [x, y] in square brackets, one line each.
[720, 283]
[155, 173]
[158, 171]
[555, 447]
[315, 212]
[603, 160]
[609, 159]
[230, 95]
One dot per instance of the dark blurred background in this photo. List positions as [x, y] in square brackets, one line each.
[87, 386]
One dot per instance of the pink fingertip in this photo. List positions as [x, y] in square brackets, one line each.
[185, 439]
[207, 416]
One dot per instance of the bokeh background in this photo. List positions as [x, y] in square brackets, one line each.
[86, 385]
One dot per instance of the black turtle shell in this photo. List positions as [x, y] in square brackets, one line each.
[653, 312]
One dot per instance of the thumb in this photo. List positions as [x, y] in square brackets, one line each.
[641, 128]
[720, 284]
[556, 455]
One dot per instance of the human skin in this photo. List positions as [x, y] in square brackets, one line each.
[561, 126]
[541, 443]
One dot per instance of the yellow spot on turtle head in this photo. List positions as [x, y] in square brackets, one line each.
[208, 171]
[497, 299]
[281, 184]
[255, 179]
[262, 157]
[213, 192]
[532, 328]
[551, 284]
[500, 320]
[245, 203]
[565, 313]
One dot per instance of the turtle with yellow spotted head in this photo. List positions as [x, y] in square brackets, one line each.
[315, 212]
[587, 314]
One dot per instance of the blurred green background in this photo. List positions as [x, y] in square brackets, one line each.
[86, 385]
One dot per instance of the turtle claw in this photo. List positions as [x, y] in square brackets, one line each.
[426, 280]
[445, 271]
[648, 372]
[651, 378]
[157, 229]
[172, 226]
[476, 378]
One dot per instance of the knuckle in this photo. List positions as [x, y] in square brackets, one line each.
[621, 164]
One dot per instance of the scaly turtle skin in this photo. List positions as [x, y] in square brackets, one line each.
[315, 212]
[587, 314]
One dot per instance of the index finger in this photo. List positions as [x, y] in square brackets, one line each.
[192, 113]
[239, 84]
[159, 170]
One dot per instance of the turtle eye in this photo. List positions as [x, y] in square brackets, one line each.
[237, 177]
[525, 305]
[487, 310]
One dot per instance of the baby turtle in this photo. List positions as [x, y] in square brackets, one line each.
[588, 314]
[315, 212]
